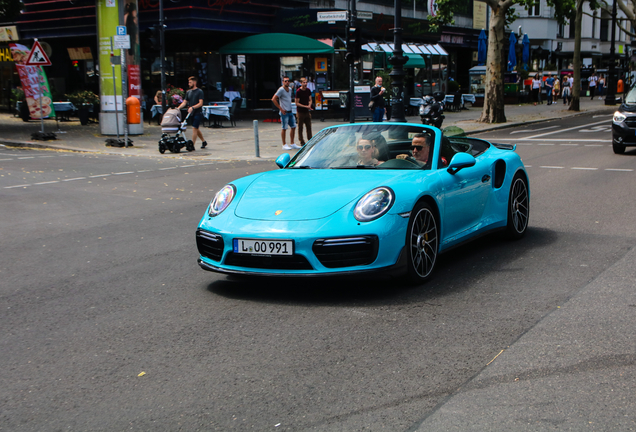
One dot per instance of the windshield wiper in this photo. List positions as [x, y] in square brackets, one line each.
[302, 167]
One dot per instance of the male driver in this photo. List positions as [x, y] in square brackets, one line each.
[303, 108]
[420, 146]
[282, 99]
[194, 101]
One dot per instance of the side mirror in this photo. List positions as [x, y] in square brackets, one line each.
[283, 160]
[460, 161]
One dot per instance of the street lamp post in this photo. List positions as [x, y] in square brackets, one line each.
[397, 60]
[610, 98]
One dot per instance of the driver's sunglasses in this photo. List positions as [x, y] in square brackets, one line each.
[418, 148]
[285, 80]
[364, 147]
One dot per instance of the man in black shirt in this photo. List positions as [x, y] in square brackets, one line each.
[377, 97]
[303, 108]
[194, 100]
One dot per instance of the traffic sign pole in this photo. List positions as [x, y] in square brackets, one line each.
[114, 87]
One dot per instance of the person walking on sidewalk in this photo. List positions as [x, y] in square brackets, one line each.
[592, 84]
[556, 89]
[283, 101]
[194, 102]
[536, 89]
[303, 110]
[549, 87]
[377, 97]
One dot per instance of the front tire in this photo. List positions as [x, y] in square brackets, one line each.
[618, 148]
[422, 242]
[518, 208]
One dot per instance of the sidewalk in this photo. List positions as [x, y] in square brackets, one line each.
[237, 143]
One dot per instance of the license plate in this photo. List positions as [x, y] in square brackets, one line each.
[263, 247]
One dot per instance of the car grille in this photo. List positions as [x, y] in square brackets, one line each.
[346, 252]
[272, 262]
[630, 122]
[210, 245]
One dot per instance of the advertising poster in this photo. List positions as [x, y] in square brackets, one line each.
[34, 83]
[107, 22]
[131, 21]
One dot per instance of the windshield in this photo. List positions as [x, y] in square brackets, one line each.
[368, 146]
[631, 96]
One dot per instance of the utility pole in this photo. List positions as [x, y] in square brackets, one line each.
[162, 53]
[397, 60]
[610, 98]
[351, 30]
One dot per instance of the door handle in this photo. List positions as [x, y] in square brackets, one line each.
[485, 178]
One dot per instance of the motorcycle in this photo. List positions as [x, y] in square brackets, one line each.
[432, 109]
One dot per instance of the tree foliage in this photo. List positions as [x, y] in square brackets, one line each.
[10, 10]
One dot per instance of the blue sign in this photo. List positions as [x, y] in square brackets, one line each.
[121, 30]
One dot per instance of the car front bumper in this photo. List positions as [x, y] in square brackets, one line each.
[624, 133]
[335, 246]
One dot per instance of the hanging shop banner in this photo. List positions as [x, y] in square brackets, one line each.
[34, 83]
[107, 22]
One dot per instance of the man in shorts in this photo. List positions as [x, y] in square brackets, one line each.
[283, 101]
[194, 101]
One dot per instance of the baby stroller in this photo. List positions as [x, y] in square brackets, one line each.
[177, 142]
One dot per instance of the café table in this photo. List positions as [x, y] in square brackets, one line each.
[218, 111]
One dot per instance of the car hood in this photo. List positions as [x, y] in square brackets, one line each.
[304, 194]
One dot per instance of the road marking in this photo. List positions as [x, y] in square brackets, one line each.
[163, 169]
[143, 171]
[594, 145]
[546, 144]
[5, 159]
[17, 186]
[619, 169]
[27, 157]
[48, 182]
[534, 130]
[583, 168]
[565, 130]
[551, 167]
[45, 156]
[76, 178]
[99, 175]
[121, 173]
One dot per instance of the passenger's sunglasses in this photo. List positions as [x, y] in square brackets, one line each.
[364, 147]
[418, 148]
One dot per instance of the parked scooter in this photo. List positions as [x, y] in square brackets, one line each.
[432, 109]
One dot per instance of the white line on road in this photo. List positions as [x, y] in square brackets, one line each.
[534, 130]
[169, 168]
[584, 168]
[99, 175]
[564, 130]
[5, 159]
[619, 169]
[27, 157]
[594, 145]
[17, 186]
[121, 173]
[551, 167]
[76, 178]
[48, 182]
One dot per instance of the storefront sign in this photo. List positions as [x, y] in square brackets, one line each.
[452, 39]
[5, 55]
[9, 33]
[321, 64]
[34, 83]
[480, 9]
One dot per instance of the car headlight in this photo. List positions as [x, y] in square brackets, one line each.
[222, 199]
[619, 117]
[374, 204]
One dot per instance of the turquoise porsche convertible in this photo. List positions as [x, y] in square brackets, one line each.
[365, 198]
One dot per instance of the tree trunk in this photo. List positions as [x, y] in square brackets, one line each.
[493, 111]
[576, 89]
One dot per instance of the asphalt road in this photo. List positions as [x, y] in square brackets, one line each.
[109, 324]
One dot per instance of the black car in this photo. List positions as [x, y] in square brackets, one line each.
[624, 124]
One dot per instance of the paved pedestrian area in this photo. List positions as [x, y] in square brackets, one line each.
[238, 143]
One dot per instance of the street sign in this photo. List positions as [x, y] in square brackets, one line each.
[37, 56]
[362, 15]
[121, 30]
[333, 16]
[121, 42]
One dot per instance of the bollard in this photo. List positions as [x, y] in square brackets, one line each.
[256, 148]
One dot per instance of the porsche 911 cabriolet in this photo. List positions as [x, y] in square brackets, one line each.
[365, 198]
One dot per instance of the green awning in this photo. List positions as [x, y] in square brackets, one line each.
[276, 43]
[415, 61]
